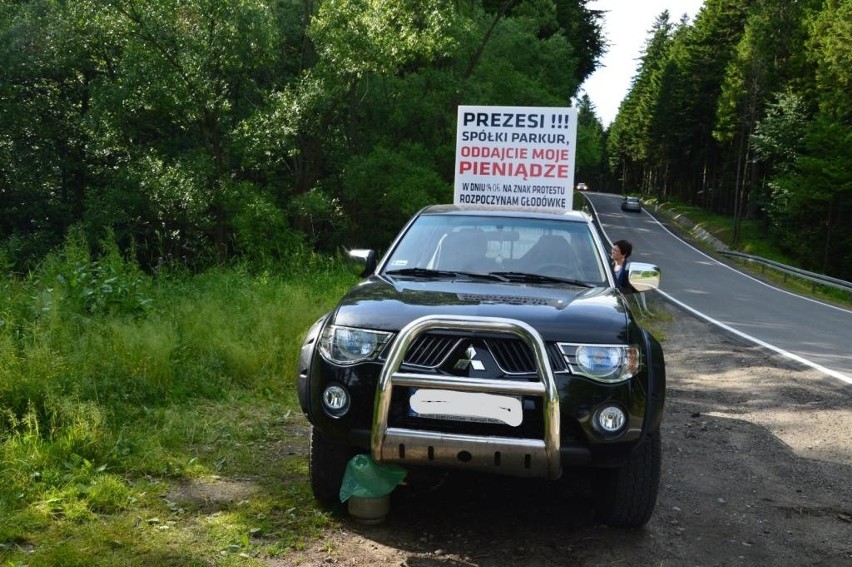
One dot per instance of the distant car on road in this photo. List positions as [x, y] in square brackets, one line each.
[582, 187]
[631, 204]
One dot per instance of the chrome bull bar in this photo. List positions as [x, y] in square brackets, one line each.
[531, 457]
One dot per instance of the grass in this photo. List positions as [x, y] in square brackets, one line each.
[153, 420]
[652, 319]
[752, 239]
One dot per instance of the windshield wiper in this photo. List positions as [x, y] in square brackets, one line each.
[427, 273]
[538, 278]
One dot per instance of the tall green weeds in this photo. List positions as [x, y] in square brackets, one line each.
[111, 378]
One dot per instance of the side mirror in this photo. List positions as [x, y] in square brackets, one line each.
[643, 277]
[362, 262]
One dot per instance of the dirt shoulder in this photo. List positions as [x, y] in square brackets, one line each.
[757, 462]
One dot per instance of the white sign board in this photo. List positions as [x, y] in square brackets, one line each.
[519, 157]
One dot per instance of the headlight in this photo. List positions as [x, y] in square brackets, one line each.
[348, 345]
[607, 363]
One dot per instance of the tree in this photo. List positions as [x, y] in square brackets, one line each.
[590, 144]
[46, 77]
[766, 58]
[804, 142]
[825, 166]
[631, 143]
[583, 28]
[255, 126]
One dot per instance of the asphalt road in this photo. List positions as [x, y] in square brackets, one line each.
[807, 331]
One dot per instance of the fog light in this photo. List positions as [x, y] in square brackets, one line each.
[335, 399]
[612, 419]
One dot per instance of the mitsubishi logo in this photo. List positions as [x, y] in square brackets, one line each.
[469, 360]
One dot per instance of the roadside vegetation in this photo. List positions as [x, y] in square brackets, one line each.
[146, 419]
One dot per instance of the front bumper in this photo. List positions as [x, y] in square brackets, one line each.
[559, 409]
[514, 456]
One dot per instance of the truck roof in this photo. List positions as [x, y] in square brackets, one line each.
[448, 209]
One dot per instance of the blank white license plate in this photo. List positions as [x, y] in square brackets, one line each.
[467, 406]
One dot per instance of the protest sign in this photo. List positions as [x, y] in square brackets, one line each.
[515, 157]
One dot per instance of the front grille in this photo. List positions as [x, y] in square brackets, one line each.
[514, 356]
[430, 350]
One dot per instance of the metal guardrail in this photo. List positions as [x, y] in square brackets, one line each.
[814, 278]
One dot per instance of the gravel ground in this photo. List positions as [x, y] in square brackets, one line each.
[757, 470]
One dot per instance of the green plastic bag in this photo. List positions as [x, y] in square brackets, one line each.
[366, 478]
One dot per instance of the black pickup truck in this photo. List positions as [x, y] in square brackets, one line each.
[494, 341]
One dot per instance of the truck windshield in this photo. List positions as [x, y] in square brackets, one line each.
[486, 244]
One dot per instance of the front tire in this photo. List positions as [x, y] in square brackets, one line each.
[625, 497]
[327, 462]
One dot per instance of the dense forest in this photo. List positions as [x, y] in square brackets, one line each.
[206, 129]
[196, 131]
[747, 112]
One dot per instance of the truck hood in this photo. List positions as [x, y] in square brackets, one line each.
[558, 312]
